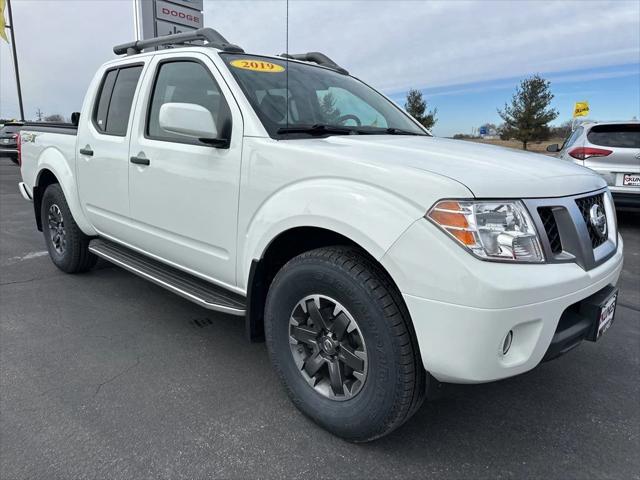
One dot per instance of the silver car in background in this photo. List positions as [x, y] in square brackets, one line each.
[612, 149]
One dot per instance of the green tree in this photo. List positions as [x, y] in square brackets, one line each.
[416, 106]
[527, 117]
[330, 113]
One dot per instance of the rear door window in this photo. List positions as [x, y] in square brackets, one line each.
[113, 106]
[102, 102]
[121, 100]
[619, 135]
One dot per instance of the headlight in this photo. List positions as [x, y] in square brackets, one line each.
[491, 230]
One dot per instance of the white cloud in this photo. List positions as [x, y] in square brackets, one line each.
[61, 43]
[394, 45]
[555, 78]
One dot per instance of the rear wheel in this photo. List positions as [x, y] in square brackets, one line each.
[68, 246]
[341, 340]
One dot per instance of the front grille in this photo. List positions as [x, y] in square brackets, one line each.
[585, 204]
[551, 228]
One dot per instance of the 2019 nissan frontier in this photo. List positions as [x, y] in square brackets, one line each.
[371, 256]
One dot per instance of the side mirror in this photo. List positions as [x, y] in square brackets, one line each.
[75, 118]
[191, 120]
[553, 148]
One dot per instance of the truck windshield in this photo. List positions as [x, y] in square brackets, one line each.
[296, 100]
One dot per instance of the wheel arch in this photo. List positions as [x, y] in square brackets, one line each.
[45, 178]
[285, 246]
[53, 169]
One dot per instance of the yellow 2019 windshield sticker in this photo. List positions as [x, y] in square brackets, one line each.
[257, 65]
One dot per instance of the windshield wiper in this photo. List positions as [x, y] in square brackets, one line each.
[324, 129]
[368, 130]
[317, 129]
[388, 131]
[399, 131]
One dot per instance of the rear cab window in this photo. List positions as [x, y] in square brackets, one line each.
[112, 107]
[615, 135]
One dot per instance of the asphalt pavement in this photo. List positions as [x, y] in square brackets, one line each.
[105, 375]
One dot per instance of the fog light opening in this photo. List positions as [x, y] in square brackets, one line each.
[506, 343]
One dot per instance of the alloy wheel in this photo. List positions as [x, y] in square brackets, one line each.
[328, 347]
[56, 229]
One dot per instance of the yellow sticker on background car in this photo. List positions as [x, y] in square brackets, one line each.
[257, 65]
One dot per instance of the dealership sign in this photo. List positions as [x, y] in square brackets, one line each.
[178, 14]
[194, 4]
[155, 18]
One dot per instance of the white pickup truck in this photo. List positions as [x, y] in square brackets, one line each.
[374, 258]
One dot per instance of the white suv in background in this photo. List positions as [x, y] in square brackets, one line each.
[612, 149]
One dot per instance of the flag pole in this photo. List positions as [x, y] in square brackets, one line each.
[15, 59]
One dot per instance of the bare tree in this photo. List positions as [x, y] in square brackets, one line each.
[56, 117]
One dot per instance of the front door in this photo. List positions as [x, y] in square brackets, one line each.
[184, 193]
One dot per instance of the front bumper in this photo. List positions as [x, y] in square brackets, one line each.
[463, 308]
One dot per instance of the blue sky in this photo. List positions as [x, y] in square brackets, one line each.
[613, 93]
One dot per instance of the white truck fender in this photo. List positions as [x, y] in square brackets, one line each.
[368, 215]
[53, 160]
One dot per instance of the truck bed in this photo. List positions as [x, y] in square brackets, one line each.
[47, 146]
[63, 128]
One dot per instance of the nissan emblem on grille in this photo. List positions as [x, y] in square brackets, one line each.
[598, 220]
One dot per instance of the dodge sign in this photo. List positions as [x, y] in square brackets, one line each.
[178, 14]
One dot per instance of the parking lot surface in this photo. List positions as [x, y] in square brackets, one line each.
[105, 375]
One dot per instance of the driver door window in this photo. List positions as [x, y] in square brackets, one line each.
[186, 82]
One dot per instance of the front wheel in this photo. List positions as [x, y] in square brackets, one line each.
[68, 246]
[341, 340]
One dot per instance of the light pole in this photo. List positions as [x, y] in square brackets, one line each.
[15, 59]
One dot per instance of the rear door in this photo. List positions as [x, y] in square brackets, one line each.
[103, 149]
[184, 202]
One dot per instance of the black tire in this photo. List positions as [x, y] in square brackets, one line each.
[71, 255]
[394, 387]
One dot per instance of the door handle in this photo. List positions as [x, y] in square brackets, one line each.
[86, 151]
[139, 160]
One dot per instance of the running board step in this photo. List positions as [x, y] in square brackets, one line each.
[184, 284]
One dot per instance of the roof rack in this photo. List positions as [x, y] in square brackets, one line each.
[212, 37]
[316, 57]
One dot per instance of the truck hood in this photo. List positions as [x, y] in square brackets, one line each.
[486, 170]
